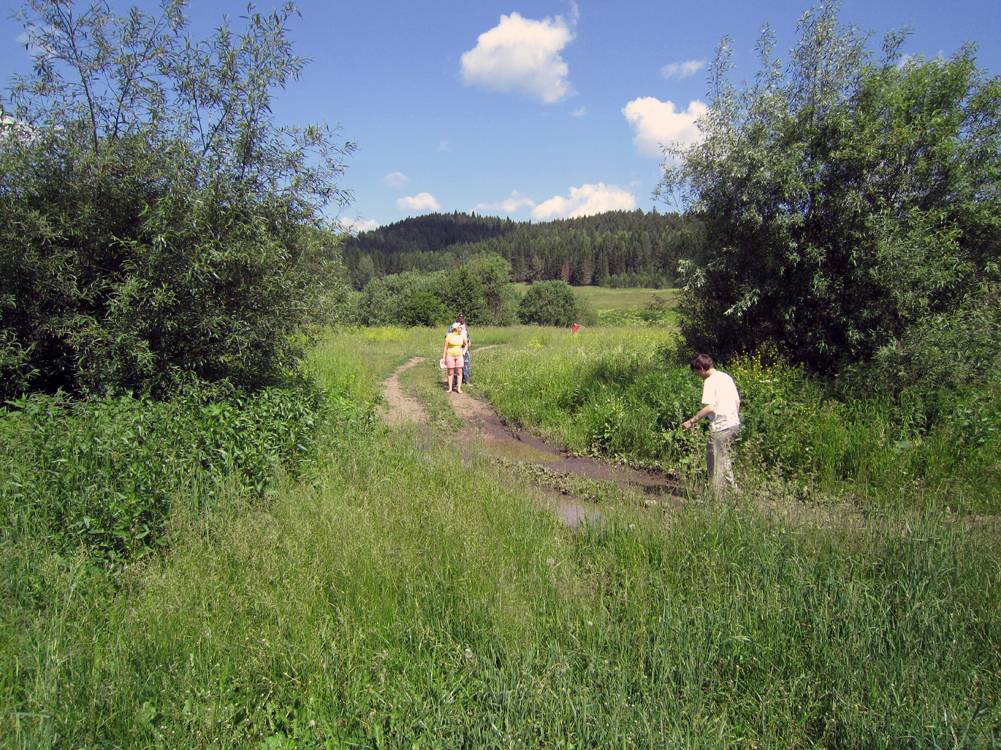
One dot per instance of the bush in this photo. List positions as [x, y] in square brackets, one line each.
[479, 288]
[155, 222]
[422, 309]
[104, 474]
[838, 218]
[550, 303]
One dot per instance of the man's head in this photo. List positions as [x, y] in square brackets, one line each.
[462, 319]
[702, 365]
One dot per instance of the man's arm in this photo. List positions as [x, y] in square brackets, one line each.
[705, 411]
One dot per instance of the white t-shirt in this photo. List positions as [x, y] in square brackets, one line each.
[720, 392]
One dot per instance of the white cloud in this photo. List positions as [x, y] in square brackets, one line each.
[358, 225]
[682, 69]
[523, 55]
[511, 205]
[656, 123]
[585, 200]
[422, 202]
[396, 179]
[579, 112]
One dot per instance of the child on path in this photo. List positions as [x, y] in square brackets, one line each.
[721, 402]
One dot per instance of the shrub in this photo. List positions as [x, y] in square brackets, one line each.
[845, 199]
[155, 221]
[104, 474]
[479, 288]
[550, 303]
[422, 309]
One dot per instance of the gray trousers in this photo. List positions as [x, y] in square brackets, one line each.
[719, 461]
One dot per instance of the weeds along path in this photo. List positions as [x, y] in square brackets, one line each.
[484, 432]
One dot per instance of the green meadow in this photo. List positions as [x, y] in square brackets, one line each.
[393, 590]
[631, 306]
[604, 298]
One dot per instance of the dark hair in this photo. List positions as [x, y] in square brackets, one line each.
[462, 318]
[702, 363]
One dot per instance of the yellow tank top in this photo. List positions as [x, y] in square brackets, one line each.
[455, 343]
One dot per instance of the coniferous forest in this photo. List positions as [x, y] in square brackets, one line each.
[617, 248]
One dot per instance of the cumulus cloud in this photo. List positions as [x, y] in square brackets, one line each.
[523, 55]
[396, 179]
[585, 200]
[420, 203]
[579, 112]
[511, 205]
[682, 69]
[657, 123]
[358, 225]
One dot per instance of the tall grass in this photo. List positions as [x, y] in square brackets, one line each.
[612, 392]
[397, 602]
[103, 474]
[412, 595]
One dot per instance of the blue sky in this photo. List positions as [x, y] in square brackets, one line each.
[538, 109]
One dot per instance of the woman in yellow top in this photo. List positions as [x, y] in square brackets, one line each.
[455, 343]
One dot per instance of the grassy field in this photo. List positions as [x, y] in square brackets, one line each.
[405, 594]
[628, 306]
[605, 298]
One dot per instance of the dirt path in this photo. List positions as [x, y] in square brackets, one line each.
[398, 408]
[483, 422]
[484, 429]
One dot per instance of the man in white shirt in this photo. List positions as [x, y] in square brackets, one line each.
[720, 402]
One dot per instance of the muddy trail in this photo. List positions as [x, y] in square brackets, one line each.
[559, 476]
[553, 469]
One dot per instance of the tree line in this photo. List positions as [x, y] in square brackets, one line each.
[617, 248]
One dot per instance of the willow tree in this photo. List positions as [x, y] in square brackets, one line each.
[154, 216]
[846, 198]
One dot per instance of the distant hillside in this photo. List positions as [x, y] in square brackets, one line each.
[618, 248]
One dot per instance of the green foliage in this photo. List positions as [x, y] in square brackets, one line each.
[844, 199]
[422, 309]
[399, 599]
[104, 474]
[479, 288]
[154, 219]
[552, 303]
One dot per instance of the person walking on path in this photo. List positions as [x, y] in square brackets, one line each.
[466, 367]
[720, 402]
[455, 344]
[461, 322]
